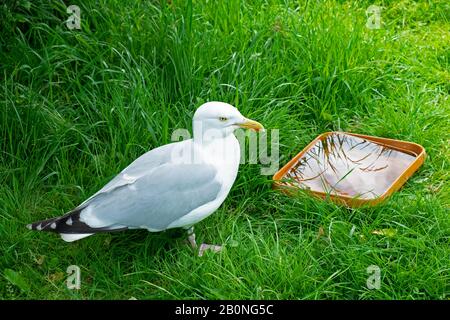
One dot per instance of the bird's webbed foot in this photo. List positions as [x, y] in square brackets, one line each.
[203, 247]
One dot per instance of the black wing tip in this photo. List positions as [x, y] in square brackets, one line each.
[44, 225]
[57, 223]
[70, 223]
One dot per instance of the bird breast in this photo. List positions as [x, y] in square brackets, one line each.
[224, 154]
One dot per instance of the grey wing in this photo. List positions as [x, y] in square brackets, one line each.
[140, 167]
[154, 200]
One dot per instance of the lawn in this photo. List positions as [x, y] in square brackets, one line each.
[78, 105]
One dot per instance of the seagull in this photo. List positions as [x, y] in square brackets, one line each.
[173, 186]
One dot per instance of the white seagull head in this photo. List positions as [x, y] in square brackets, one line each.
[220, 118]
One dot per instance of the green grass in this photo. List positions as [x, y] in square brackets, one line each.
[77, 106]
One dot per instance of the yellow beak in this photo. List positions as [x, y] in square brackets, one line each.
[251, 124]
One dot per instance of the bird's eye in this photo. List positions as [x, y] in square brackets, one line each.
[223, 119]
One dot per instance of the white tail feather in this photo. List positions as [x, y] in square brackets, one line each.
[70, 237]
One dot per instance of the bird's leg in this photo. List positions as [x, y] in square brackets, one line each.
[191, 237]
[203, 246]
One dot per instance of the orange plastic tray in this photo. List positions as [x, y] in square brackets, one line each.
[367, 159]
